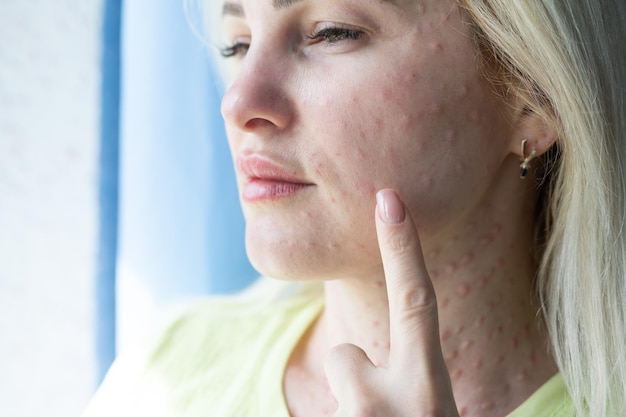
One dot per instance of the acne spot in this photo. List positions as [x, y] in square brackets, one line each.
[480, 321]
[527, 329]
[511, 319]
[379, 284]
[467, 344]
[436, 109]
[488, 406]
[436, 47]
[445, 335]
[457, 374]
[522, 375]
[478, 364]
[500, 360]
[453, 355]
[473, 116]
[462, 411]
[427, 183]
[507, 387]
[376, 323]
[467, 258]
[515, 343]
[450, 137]
[451, 268]
[444, 303]
[486, 240]
[460, 329]
[375, 344]
[463, 290]
[483, 280]
[387, 94]
[533, 357]
[463, 91]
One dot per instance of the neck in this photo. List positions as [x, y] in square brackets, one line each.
[489, 323]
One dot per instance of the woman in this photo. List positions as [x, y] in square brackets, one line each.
[379, 147]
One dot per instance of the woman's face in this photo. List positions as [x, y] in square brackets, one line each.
[335, 99]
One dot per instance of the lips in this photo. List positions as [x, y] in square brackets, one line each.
[267, 180]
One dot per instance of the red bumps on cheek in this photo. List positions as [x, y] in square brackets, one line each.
[463, 290]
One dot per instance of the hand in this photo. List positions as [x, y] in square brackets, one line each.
[415, 381]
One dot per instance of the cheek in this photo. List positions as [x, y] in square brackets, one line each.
[431, 141]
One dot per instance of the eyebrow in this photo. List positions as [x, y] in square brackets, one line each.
[232, 9]
[235, 9]
[283, 4]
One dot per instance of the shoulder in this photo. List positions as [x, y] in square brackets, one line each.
[222, 327]
[209, 348]
[550, 400]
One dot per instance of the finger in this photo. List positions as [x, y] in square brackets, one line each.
[413, 319]
[347, 369]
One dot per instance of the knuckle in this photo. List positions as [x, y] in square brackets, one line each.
[416, 305]
[400, 242]
[347, 357]
[418, 298]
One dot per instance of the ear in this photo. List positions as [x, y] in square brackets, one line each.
[534, 127]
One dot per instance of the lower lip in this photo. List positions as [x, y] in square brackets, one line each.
[257, 190]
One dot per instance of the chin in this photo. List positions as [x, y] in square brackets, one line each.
[308, 262]
[283, 261]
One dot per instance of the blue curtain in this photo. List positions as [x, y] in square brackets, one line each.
[180, 228]
[108, 190]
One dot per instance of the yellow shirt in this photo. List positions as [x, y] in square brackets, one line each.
[226, 358]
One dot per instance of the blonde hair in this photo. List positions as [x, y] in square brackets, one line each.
[566, 61]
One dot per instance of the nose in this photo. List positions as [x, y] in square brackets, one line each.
[258, 96]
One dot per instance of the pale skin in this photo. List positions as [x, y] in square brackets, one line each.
[391, 98]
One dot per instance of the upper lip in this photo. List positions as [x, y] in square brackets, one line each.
[260, 167]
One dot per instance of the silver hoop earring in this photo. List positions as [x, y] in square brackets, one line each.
[525, 160]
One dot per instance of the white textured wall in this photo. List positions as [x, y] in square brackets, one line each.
[49, 124]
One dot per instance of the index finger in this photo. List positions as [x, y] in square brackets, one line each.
[413, 317]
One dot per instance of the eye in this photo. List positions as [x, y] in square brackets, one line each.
[237, 49]
[333, 35]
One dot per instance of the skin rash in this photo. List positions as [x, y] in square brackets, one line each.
[393, 98]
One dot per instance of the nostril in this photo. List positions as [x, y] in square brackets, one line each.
[256, 123]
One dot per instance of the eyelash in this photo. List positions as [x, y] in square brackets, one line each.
[330, 35]
[333, 35]
[236, 49]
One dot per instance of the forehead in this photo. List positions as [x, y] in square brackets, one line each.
[235, 7]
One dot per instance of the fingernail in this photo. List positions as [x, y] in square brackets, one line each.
[390, 208]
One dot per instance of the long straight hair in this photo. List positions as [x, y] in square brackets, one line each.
[566, 61]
